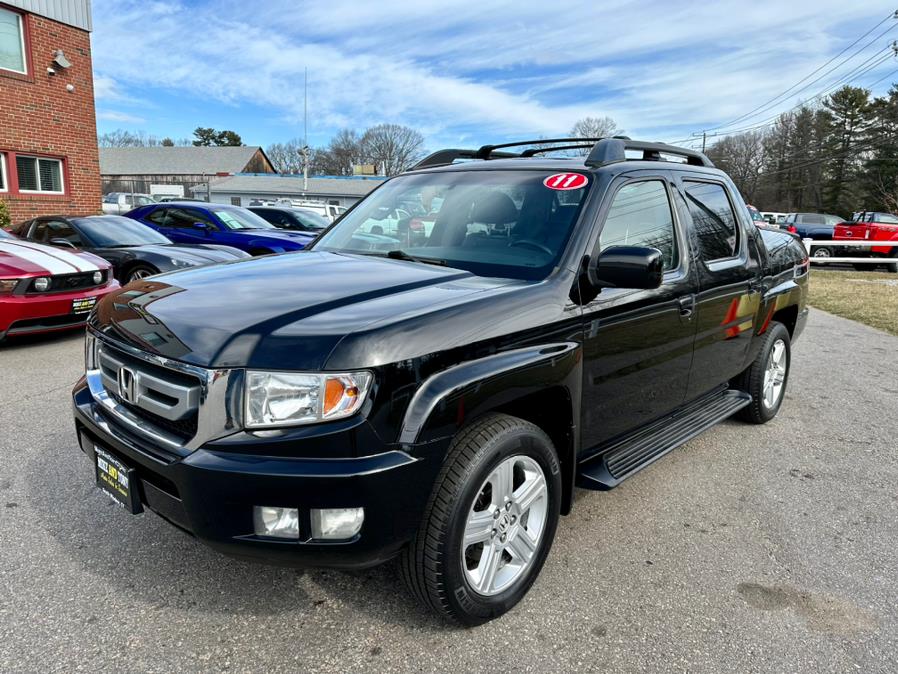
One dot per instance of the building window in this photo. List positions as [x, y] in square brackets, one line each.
[12, 42]
[3, 183]
[37, 174]
[235, 201]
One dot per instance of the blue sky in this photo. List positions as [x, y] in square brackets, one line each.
[466, 73]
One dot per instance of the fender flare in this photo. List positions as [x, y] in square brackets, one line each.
[443, 384]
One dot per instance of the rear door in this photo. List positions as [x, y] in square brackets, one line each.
[638, 343]
[729, 278]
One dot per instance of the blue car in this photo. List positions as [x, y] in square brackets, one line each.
[201, 222]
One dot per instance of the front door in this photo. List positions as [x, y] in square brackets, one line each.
[638, 343]
[728, 273]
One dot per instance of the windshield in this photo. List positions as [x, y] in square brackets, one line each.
[508, 224]
[238, 218]
[113, 230]
[311, 219]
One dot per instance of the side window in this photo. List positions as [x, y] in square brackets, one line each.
[41, 232]
[813, 219]
[640, 215]
[159, 217]
[714, 219]
[184, 218]
[56, 229]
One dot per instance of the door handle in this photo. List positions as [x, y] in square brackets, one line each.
[687, 306]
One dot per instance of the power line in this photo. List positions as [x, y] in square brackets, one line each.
[777, 99]
[857, 72]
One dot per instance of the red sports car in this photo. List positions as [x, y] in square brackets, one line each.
[44, 288]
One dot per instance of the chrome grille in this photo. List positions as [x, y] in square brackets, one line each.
[175, 406]
[171, 396]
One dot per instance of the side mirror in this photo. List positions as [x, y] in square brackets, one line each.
[65, 243]
[201, 225]
[626, 267]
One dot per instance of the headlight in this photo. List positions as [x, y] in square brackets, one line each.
[179, 263]
[41, 284]
[293, 398]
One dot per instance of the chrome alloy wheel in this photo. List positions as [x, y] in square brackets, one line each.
[505, 525]
[775, 374]
[138, 274]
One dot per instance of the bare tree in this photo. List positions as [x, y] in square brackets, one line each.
[342, 153]
[392, 148]
[286, 157]
[124, 138]
[742, 157]
[595, 127]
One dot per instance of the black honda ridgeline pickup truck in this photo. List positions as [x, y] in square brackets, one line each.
[434, 375]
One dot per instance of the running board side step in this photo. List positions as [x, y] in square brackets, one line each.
[621, 458]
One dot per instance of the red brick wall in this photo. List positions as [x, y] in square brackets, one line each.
[39, 116]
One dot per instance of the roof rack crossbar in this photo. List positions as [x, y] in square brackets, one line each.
[533, 151]
[487, 151]
[446, 157]
[612, 150]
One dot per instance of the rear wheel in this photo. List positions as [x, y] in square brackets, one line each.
[767, 376]
[892, 266]
[490, 521]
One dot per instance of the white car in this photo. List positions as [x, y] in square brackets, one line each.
[118, 203]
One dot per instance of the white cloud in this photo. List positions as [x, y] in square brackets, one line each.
[489, 69]
[123, 117]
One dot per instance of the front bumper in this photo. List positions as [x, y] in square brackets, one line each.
[32, 314]
[211, 492]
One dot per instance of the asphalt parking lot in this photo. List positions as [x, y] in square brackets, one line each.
[763, 549]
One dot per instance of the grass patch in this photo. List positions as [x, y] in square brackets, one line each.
[868, 297]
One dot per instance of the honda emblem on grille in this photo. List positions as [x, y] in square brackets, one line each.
[127, 385]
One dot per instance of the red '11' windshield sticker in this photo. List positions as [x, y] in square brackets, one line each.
[565, 181]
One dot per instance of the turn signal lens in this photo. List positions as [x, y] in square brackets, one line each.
[341, 396]
[8, 285]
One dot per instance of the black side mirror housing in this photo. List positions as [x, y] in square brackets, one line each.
[65, 243]
[626, 267]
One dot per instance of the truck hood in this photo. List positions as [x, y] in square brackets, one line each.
[293, 311]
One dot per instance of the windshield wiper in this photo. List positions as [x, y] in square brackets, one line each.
[399, 254]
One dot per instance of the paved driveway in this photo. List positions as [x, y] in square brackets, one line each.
[769, 548]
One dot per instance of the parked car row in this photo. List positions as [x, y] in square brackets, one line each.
[863, 226]
[54, 268]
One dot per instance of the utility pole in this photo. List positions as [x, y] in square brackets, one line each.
[305, 132]
[704, 138]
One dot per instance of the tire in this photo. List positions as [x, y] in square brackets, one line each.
[893, 265]
[756, 380]
[820, 251]
[140, 271]
[454, 579]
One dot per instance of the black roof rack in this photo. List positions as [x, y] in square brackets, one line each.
[612, 150]
[602, 151]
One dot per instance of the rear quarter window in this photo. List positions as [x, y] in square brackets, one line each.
[714, 219]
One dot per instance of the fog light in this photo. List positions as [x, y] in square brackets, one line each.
[98, 278]
[336, 523]
[41, 284]
[276, 522]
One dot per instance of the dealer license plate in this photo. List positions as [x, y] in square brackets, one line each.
[82, 305]
[117, 481]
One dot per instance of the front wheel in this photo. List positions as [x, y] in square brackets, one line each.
[140, 271]
[767, 376]
[490, 521]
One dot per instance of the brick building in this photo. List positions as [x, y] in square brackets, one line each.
[48, 128]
